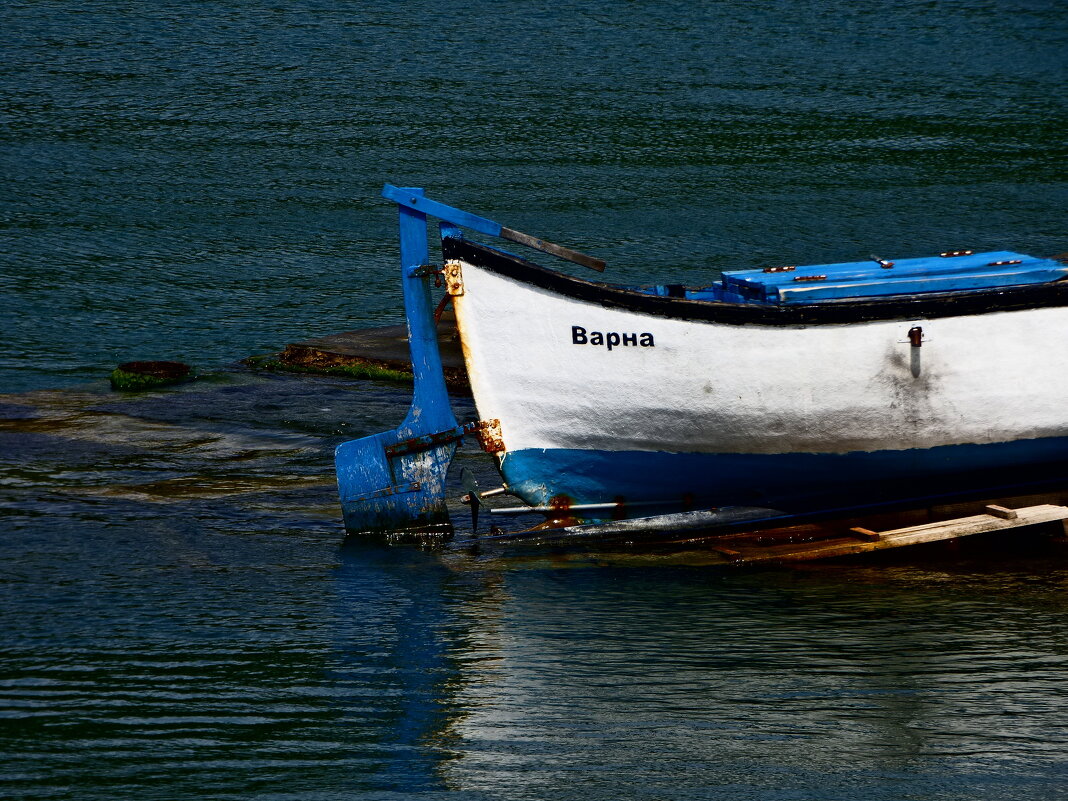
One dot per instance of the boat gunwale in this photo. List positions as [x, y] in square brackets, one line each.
[928, 305]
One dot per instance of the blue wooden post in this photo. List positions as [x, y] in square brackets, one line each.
[430, 410]
[395, 481]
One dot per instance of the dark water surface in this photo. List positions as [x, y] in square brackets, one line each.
[180, 616]
[182, 620]
[201, 181]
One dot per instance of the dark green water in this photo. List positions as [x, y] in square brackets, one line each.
[180, 616]
[201, 182]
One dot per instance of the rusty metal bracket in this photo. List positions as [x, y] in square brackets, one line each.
[488, 433]
[424, 270]
[454, 279]
[425, 443]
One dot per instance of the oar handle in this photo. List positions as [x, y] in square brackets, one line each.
[556, 250]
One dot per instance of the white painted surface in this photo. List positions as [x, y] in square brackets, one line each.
[710, 387]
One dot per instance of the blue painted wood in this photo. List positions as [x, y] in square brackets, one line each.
[430, 410]
[450, 231]
[385, 488]
[870, 279]
[808, 293]
[381, 495]
[415, 201]
[870, 270]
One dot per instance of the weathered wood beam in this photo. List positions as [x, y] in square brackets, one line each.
[864, 540]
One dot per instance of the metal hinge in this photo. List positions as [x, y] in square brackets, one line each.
[424, 442]
[454, 280]
[424, 270]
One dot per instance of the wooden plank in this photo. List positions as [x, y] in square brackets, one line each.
[902, 537]
[976, 524]
[730, 553]
[866, 534]
[947, 509]
[1000, 511]
[985, 522]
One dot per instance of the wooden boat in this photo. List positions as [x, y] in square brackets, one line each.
[794, 388]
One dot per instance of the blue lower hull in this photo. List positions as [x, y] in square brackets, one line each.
[794, 483]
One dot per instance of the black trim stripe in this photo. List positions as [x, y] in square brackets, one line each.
[854, 310]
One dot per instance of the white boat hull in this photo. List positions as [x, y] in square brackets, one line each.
[698, 411]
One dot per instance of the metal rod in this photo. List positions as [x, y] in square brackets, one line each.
[579, 507]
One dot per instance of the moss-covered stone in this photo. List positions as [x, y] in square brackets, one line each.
[135, 376]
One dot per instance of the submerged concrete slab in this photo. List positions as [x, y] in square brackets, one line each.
[381, 352]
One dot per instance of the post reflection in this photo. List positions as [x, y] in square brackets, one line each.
[412, 634]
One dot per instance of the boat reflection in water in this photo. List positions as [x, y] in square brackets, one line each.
[522, 678]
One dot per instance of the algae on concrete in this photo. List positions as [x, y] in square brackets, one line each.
[351, 368]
